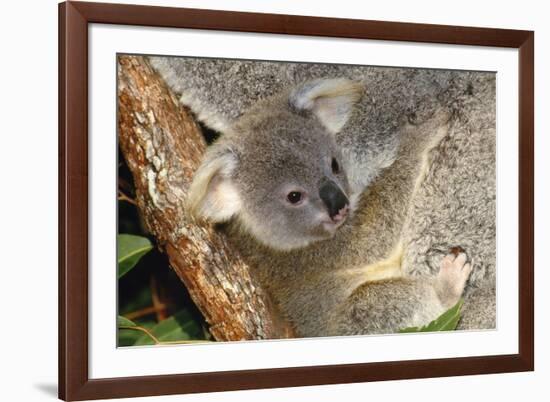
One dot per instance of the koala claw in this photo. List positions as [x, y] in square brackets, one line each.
[451, 279]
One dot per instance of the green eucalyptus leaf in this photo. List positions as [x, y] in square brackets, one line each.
[129, 332]
[125, 322]
[128, 337]
[130, 249]
[445, 322]
[179, 327]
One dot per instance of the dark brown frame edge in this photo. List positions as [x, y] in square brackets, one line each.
[74, 18]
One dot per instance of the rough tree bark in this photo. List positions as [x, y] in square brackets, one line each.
[163, 146]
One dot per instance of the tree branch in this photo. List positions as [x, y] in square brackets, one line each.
[163, 146]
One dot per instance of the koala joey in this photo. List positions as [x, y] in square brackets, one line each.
[321, 226]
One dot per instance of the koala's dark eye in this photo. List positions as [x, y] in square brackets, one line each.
[335, 166]
[294, 197]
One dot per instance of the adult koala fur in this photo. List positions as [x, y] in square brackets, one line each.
[402, 159]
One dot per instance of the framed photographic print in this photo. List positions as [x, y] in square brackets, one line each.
[261, 200]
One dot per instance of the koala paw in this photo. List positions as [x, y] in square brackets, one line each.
[451, 279]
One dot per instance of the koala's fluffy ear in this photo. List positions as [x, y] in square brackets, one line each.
[331, 100]
[212, 195]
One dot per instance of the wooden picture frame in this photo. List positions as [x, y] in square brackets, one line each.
[74, 381]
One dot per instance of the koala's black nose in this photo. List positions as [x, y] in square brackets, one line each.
[335, 200]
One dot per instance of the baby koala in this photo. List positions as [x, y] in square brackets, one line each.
[320, 222]
[278, 173]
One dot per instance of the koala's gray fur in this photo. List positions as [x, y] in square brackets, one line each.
[419, 195]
